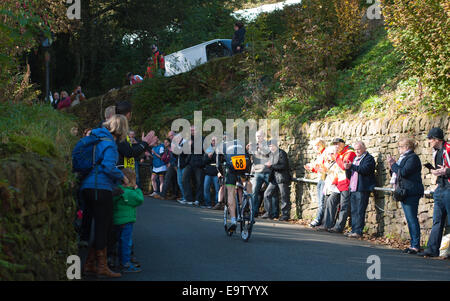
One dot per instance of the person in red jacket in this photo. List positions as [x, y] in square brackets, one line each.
[156, 64]
[345, 154]
[134, 79]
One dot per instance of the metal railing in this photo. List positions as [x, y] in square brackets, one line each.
[383, 189]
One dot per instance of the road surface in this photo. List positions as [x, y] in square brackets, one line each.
[175, 242]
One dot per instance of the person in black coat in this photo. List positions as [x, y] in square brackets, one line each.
[279, 178]
[409, 168]
[193, 174]
[237, 43]
[361, 173]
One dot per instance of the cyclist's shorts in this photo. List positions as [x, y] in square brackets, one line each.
[161, 173]
[230, 179]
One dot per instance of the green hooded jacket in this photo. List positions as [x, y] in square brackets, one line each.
[125, 205]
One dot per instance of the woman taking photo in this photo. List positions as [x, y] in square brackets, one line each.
[97, 190]
[409, 167]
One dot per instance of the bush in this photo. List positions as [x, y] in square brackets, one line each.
[38, 129]
[419, 29]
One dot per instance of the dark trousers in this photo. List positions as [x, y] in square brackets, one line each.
[193, 173]
[441, 213]
[344, 212]
[101, 210]
[330, 209]
[170, 181]
[271, 202]
[358, 203]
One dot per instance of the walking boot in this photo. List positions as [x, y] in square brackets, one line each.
[89, 267]
[103, 270]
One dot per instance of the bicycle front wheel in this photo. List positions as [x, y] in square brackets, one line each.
[246, 220]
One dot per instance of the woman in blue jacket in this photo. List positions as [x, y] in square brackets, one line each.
[409, 168]
[97, 190]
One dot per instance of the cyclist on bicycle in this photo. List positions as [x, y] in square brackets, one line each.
[232, 161]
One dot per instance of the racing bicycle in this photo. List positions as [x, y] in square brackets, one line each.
[244, 215]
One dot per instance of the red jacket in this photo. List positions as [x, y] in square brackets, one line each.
[445, 155]
[158, 61]
[345, 156]
[135, 79]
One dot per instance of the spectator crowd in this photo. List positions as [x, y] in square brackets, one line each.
[111, 191]
[347, 177]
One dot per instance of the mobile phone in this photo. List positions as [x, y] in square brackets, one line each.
[429, 166]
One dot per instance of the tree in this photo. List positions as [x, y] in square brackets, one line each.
[420, 30]
[24, 24]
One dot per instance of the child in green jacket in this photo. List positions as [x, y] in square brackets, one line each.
[125, 217]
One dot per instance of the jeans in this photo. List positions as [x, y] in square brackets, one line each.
[206, 189]
[358, 204]
[344, 212]
[180, 172]
[125, 243]
[271, 203]
[320, 201]
[257, 182]
[441, 212]
[410, 208]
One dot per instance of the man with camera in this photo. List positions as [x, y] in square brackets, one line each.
[77, 96]
[441, 169]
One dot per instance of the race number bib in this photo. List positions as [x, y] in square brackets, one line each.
[128, 162]
[239, 162]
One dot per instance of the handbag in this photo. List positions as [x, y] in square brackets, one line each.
[400, 193]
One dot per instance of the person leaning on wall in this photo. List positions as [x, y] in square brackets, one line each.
[409, 167]
[441, 196]
[318, 167]
[362, 181]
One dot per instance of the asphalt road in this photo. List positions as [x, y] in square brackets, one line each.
[176, 242]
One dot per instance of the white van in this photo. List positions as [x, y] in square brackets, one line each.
[189, 58]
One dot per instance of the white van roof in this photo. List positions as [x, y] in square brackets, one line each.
[188, 58]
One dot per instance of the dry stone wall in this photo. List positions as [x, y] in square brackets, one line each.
[37, 210]
[384, 215]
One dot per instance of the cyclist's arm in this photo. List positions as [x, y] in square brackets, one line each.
[219, 159]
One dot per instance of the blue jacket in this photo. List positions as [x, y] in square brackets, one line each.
[157, 162]
[366, 173]
[410, 170]
[106, 175]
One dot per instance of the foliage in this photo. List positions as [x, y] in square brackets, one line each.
[25, 24]
[377, 68]
[325, 35]
[419, 29]
[115, 37]
[38, 128]
[213, 89]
